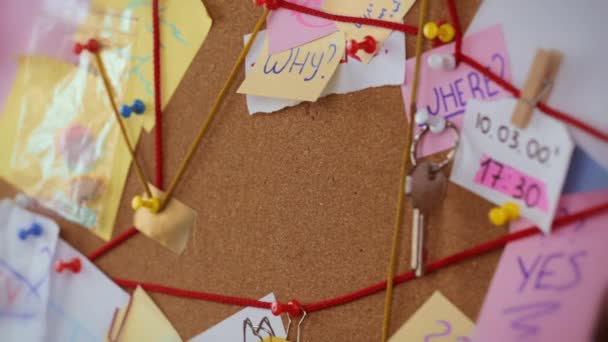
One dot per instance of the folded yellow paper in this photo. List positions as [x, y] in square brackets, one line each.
[141, 320]
[388, 10]
[171, 227]
[300, 73]
[437, 320]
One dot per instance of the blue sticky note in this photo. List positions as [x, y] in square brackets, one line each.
[585, 174]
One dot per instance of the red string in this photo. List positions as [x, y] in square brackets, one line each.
[113, 243]
[158, 130]
[486, 247]
[408, 29]
[458, 31]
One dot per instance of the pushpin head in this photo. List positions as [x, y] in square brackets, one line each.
[421, 117]
[368, 44]
[92, 46]
[138, 107]
[444, 62]
[269, 4]
[437, 124]
[430, 30]
[152, 204]
[498, 216]
[446, 33]
[35, 230]
[73, 265]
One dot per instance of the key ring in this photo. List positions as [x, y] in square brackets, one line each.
[420, 135]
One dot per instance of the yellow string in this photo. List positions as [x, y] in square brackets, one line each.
[123, 130]
[405, 166]
[214, 108]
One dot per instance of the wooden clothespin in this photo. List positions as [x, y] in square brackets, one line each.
[538, 86]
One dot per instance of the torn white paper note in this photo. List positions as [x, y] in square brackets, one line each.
[81, 305]
[501, 162]
[577, 31]
[231, 329]
[24, 265]
[387, 68]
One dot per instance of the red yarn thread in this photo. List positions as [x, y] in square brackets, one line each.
[491, 245]
[158, 109]
[113, 243]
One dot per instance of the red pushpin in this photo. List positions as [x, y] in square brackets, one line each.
[293, 308]
[269, 4]
[73, 265]
[368, 45]
[92, 46]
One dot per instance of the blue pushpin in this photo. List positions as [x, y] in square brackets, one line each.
[35, 229]
[138, 107]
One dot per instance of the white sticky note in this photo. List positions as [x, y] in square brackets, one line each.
[81, 305]
[387, 68]
[501, 162]
[578, 32]
[24, 266]
[231, 329]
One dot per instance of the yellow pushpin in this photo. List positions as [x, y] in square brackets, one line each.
[446, 33]
[506, 213]
[152, 204]
[430, 30]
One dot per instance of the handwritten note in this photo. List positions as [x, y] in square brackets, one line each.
[299, 74]
[527, 166]
[38, 304]
[510, 181]
[288, 29]
[387, 68]
[548, 288]
[231, 329]
[24, 265]
[388, 10]
[446, 93]
[142, 320]
[438, 320]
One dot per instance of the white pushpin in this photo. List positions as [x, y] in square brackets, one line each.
[436, 124]
[445, 62]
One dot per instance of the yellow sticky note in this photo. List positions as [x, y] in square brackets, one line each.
[171, 227]
[38, 111]
[387, 10]
[142, 320]
[300, 73]
[274, 339]
[184, 25]
[438, 320]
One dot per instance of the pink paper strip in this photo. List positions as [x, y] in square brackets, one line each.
[511, 182]
[288, 29]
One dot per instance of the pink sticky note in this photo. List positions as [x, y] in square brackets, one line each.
[288, 29]
[445, 93]
[512, 182]
[548, 288]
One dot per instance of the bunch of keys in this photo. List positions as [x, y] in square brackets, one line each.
[425, 185]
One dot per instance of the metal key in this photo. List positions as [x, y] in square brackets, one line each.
[425, 185]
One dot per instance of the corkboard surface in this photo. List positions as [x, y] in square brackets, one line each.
[300, 203]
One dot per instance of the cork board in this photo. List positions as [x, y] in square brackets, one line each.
[300, 203]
